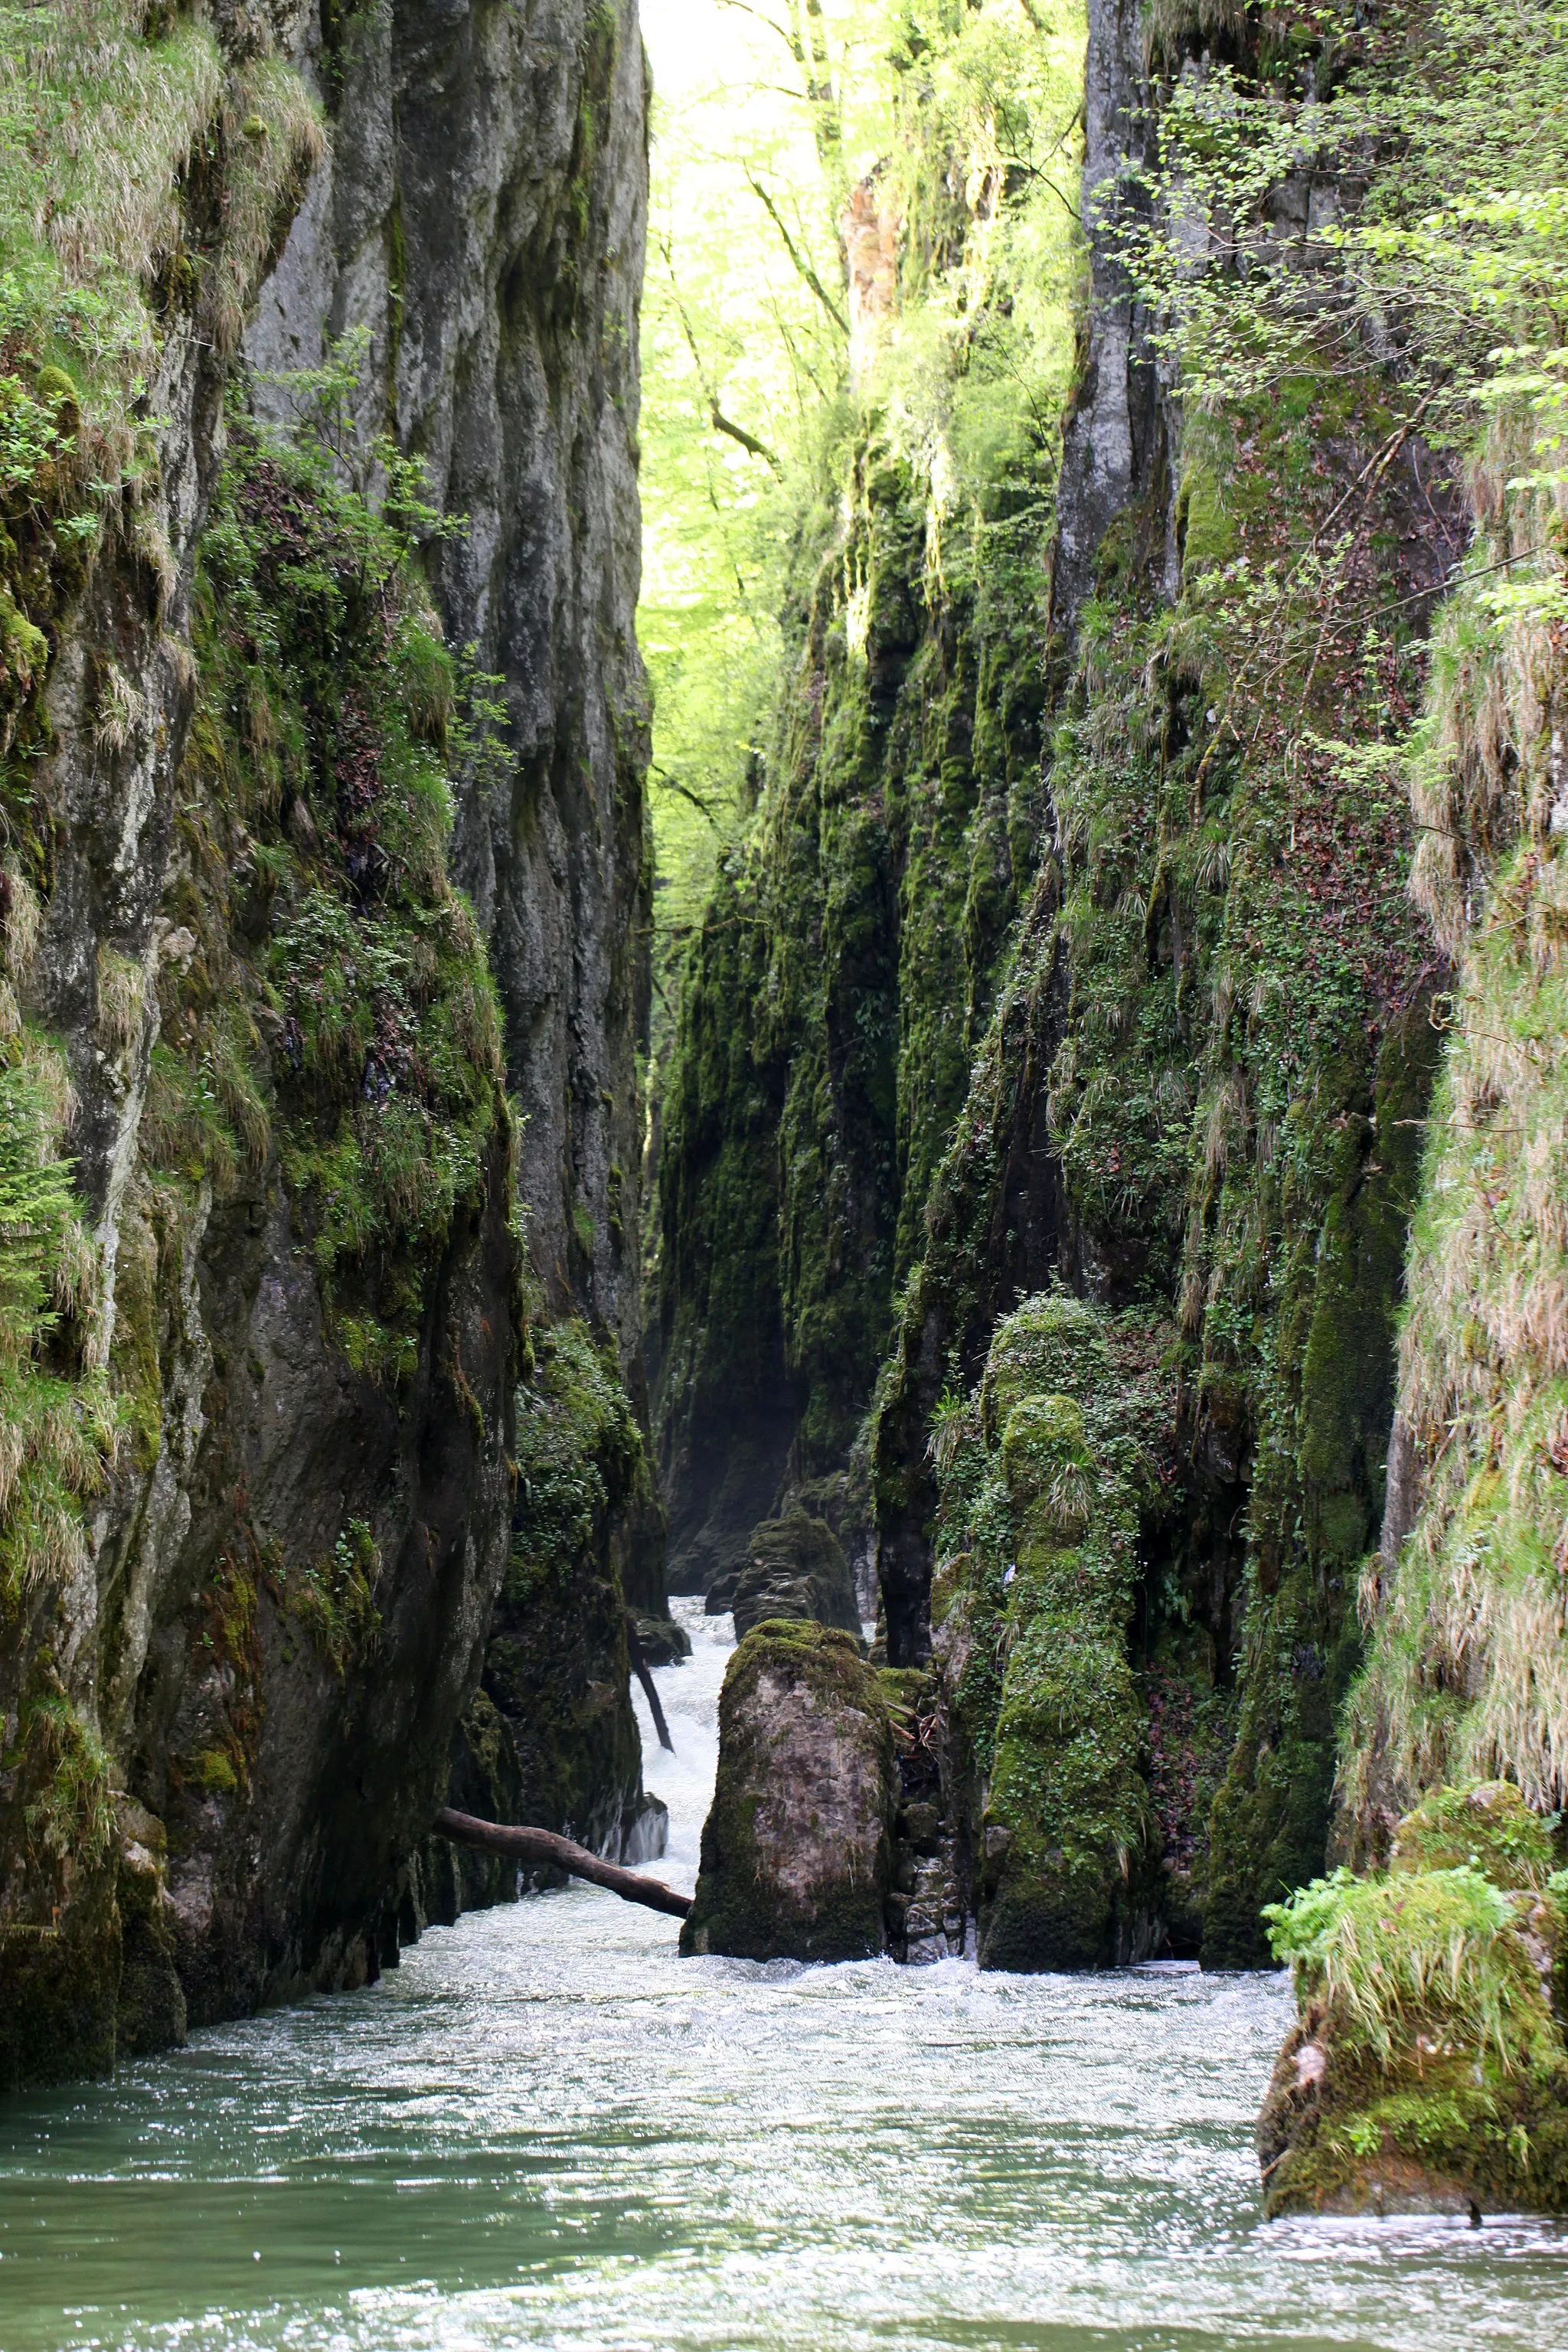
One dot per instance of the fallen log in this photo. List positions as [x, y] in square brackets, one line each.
[560, 1854]
[640, 1668]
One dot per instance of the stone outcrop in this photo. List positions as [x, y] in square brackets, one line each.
[793, 1566]
[1043, 1729]
[796, 1850]
[479, 216]
[1428, 2072]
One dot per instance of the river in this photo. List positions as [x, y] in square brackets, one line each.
[547, 2129]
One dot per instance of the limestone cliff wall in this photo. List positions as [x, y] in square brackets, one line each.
[480, 213]
[241, 994]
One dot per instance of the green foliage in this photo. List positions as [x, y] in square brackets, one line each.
[756, 394]
[332, 721]
[1456, 230]
[103, 106]
[1468, 1672]
[71, 1817]
[58, 1424]
[334, 1600]
[846, 962]
[1436, 1951]
[579, 1450]
[555, 1664]
[1484, 1825]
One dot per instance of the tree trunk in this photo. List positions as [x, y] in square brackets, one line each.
[560, 1854]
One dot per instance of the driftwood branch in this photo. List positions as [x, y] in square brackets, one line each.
[640, 1668]
[542, 1846]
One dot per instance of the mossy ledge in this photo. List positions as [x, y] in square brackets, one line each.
[1428, 2072]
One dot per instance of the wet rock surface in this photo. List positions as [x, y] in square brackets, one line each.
[797, 1847]
[793, 1566]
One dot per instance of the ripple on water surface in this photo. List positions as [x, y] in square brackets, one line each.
[547, 2129]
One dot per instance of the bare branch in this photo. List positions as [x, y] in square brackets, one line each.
[543, 1848]
[720, 422]
[803, 269]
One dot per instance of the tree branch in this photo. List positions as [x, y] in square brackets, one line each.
[803, 267]
[640, 1665]
[665, 782]
[721, 423]
[543, 1847]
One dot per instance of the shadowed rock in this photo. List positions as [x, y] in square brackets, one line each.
[796, 1850]
[795, 1567]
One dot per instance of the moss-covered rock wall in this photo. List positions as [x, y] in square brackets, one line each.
[278, 1372]
[1179, 1064]
[833, 997]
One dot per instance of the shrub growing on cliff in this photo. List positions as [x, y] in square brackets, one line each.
[55, 1431]
[1429, 2064]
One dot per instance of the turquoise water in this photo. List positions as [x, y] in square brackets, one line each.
[546, 2129]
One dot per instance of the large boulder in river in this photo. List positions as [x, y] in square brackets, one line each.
[793, 1566]
[797, 1848]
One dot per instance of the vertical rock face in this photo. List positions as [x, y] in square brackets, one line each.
[480, 217]
[480, 222]
[796, 1850]
[1143, 1009]
[1047, 1732]
[230, 1703]
[1113, 444]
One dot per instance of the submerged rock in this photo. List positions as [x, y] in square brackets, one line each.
[796, 1849]
[1428, 2072]
[794, 1567]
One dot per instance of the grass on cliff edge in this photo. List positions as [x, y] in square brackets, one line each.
[103, 115]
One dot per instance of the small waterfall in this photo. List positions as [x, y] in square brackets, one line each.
[688, 1695]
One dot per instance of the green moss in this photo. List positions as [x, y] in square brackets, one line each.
[1205, 532]
[326, 719]
[60, 1929]
[1467, 1676]
[793, 1566]
[1040, 1477]
[1485, 1826]
[334, 1600]
[555, 1664]
[843, 969]
[212, 1771]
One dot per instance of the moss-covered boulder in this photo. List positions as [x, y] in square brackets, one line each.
[1427, 2071]
[793, 1566]
[796, 1850]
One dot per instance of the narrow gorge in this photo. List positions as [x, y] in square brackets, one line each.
[784, 801]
